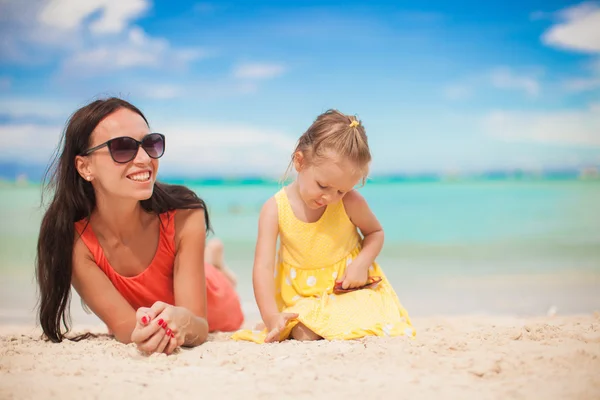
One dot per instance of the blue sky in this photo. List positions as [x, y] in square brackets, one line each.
[440, 86]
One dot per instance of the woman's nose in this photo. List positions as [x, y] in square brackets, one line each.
[141, 157]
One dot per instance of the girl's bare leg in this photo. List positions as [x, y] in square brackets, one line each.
[301, 332]
[214, 254]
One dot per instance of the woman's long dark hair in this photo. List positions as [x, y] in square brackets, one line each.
[73, 199]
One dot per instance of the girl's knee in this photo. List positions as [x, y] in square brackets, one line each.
[301, 332]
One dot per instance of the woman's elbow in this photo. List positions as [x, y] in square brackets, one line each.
[197, 341]
[123, 337]
[200, 334]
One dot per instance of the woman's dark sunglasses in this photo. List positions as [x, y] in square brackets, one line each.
[124, 149]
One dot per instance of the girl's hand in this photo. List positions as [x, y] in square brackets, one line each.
[277, 324]
[356, 275]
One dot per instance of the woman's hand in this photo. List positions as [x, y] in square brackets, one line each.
[154, 331]
[175, 321]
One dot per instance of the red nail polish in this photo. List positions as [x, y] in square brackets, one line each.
[160, 322]
[169, 332]
[144, 320]
[172, 335]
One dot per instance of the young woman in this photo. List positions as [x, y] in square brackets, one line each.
[133, 248]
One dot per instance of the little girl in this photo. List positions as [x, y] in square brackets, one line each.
[325, 282]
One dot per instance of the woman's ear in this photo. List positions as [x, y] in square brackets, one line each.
[83, 167]
[299, 160]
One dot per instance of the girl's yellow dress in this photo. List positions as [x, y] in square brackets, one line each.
[311, 257]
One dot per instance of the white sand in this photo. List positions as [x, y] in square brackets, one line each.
[452, 358]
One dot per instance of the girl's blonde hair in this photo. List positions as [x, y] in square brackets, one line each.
[335, 132]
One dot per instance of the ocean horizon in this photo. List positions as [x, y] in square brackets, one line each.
[13, 172]
[519, 246]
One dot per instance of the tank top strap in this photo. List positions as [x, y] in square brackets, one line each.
[84, 229]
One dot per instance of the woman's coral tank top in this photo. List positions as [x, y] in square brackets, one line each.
[155, 283]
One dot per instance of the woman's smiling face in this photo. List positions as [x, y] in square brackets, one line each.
[134, 179]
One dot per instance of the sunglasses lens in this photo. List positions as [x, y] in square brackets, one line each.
[154, 144]
[123, 149]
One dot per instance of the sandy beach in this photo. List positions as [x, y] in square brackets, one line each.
[506, 319]
[471, 357]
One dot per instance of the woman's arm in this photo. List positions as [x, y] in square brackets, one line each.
[189, 280]
[99, 294]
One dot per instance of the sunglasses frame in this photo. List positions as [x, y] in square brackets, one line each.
[138, 142]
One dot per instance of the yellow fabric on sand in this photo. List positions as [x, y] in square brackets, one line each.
[311, 257]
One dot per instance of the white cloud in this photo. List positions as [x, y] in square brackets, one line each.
[207, 148]
[18, 107]
[37, 31]
[194, 89]
[162, 91]
[457, 92]
[258, 71]
[31, 142]
[69, 15]
[578, 29]
[19, 29]
[582, 84]
[88, 37]
[591, 82]
[504, 78]
[137, 50]
[193, 148]
[571, 127]
[539, 15]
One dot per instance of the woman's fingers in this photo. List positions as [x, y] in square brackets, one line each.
[152, 344]
[142, 333]
[162, 345]
[144, 315]
[171, 346]
[158, 307]
[153, 333]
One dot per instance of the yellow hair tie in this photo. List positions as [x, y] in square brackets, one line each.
[354, 124]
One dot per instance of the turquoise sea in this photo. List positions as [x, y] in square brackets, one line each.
[495, 246]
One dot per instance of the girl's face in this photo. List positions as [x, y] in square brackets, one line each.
[133, 179]
[326, 181]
